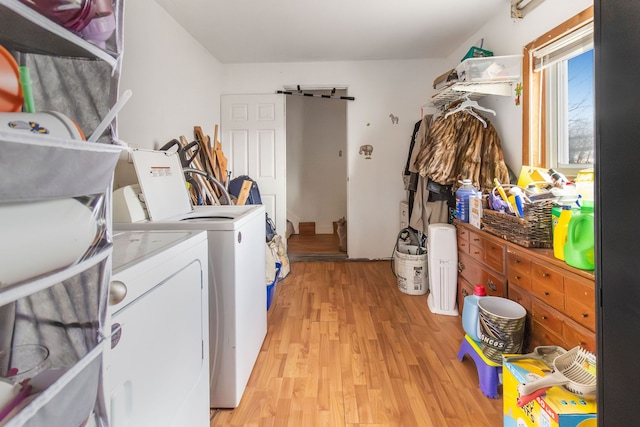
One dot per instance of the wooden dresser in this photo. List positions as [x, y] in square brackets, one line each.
[560, 299]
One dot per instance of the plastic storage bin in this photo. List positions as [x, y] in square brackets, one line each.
[491, 68]
[271, 288]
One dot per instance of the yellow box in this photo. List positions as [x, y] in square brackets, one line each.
[556, 408]
[529, 175]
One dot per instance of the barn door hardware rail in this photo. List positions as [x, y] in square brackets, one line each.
[332, 95]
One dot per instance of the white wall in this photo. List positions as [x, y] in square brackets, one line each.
[175, 83]
[380, 88]
[505, 36]
[316, 160]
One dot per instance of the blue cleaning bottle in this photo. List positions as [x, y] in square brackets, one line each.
[470, 313]
[462, 199]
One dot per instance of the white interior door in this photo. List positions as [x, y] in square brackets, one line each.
[254, 141]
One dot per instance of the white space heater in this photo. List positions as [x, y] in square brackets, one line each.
[443, 269]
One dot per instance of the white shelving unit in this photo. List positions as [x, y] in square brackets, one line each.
[474, 90]
[25, 30]
[63, 309]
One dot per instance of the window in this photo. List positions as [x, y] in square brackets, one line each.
[558, 97]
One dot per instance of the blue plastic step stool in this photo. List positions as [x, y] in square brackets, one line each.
[489, 373]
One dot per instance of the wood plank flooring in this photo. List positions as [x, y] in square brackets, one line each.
[345, 348]
[313, 244]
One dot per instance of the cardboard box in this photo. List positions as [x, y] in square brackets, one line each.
[445, 78]
[556, 408]
[475, 210]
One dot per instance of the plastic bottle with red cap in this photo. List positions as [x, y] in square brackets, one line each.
[470, 312]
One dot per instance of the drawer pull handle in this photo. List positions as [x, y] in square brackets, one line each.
[543, 317]
[492, 285]
[476, 252]
[460, 266]
[475, 239]
[465, 293]
[546, 294]
[518, 277]
[545, 274]
[585, 315]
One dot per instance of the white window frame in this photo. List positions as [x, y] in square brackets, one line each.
[557, 131]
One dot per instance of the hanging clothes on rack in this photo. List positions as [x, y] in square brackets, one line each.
[410, 174]
[459, 146]
[425, 206]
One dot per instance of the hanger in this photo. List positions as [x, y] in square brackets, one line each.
[468, 105]
[477, 116]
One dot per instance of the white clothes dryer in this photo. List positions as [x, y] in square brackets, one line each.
[157, 361]
[237, 283]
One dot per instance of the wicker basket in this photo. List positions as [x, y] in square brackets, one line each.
[533, 230]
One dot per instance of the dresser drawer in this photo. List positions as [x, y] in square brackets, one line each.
[547, 317]
[494, 255]
[547, 284]
[543, 336]
[520, 296]
[476, 274]
[477, 252]
[542, 274]
[577, 335]
[518, 269]
[463, 246]
[462, 233]
[580, 301]
[475, 238]
[549, 294]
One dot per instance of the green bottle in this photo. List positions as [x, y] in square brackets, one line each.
[579, 251]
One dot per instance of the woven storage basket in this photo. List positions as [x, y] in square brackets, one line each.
[533, 230]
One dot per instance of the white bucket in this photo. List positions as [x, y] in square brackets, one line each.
[411, 270]
[49, 123]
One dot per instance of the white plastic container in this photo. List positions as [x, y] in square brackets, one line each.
[44, 123]
[443, 269]
[490, 68]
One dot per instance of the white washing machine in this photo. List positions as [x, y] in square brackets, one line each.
[157, 363]
[237, 284]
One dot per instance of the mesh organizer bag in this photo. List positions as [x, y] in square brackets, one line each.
[61, 307]
[533, 230]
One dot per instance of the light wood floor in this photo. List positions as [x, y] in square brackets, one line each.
[345, 348]
[313, 244]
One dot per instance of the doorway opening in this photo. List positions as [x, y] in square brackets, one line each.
[316, 141]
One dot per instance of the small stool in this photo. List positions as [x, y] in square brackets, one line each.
[489, 372]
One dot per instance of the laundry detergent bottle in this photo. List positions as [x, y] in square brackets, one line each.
[560, 232]
[462, 199]
[470, 313]
[580, 247]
